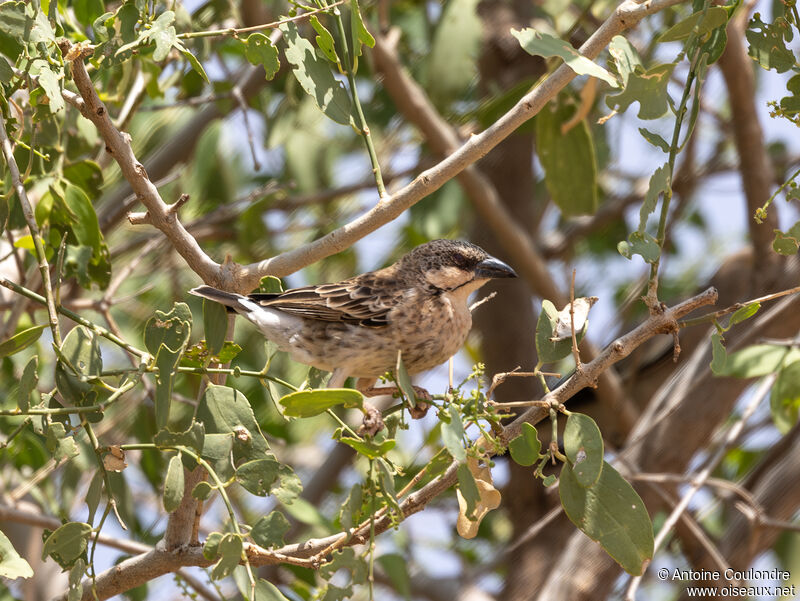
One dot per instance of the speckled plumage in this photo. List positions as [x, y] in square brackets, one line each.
[355, 327]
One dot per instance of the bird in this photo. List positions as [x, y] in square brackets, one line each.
[417, 306]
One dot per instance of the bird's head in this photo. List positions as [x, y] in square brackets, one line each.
[453, 264]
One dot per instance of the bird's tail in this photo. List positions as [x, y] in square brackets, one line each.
[230, 299]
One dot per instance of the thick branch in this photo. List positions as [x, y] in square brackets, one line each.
[118, 145]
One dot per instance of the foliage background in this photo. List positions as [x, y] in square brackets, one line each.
[268, 173]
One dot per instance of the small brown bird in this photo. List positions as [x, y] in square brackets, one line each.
[355, 327]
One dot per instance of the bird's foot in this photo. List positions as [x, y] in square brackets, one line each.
[423, 397]
[373, 421]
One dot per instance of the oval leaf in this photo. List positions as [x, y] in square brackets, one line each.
[20, 341]
[67, 542]
[369, 449]
[612, 514]
[307, 403]
[784, 400]
[173, 484]
[11, 564]
[525, 448]
[583, 445]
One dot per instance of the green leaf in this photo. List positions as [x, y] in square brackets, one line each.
[719, 356]
[224, 410]
[350, 512]
[699, 23]
[404, 380]
[51, 82]
[648, 88]
[197, 66]
[211, 546]
[757, 360]
[315, 76]
[324, 40]
[202, 491]
[87, 175]
[261, 51]
[173, 484]
[163, 34]
[625, 57]
[20, 341]
[171, 329]
[59, 442]
[93, 495]
[14, 19]
[3, 201]
[12, 566]
[396, 568]
[270, 285]
[549, 351]
[358, 31]
[786, 243]
[644, 245]
[27, 383]
[218, 451]
[568, 159]
[660, 183]
[453, 433]
[229, 551]
[346, 559]
[452, 60]
[612, 514]
[80, 357]
[368, 448]
[543, 44]
[525, 448]
[258, 476]
[655, 139]
[167, 361]
[75, 592]
[67, 543]
[264, 591]
[307, 403]
[215, 325]
[193, 437]
[784, 400]
[198, 354]
[768, 43]
[583, 446]
[469, 489]
[270, 530]
[744, 313]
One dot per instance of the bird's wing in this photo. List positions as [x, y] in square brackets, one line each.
[358, 301]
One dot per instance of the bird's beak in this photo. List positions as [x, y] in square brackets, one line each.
[493, 268]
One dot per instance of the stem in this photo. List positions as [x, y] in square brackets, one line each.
[763, 209]
[371, 577]
[363, 127]
[237, 31]
[27, 210]
[76, 318]
[652, 291]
